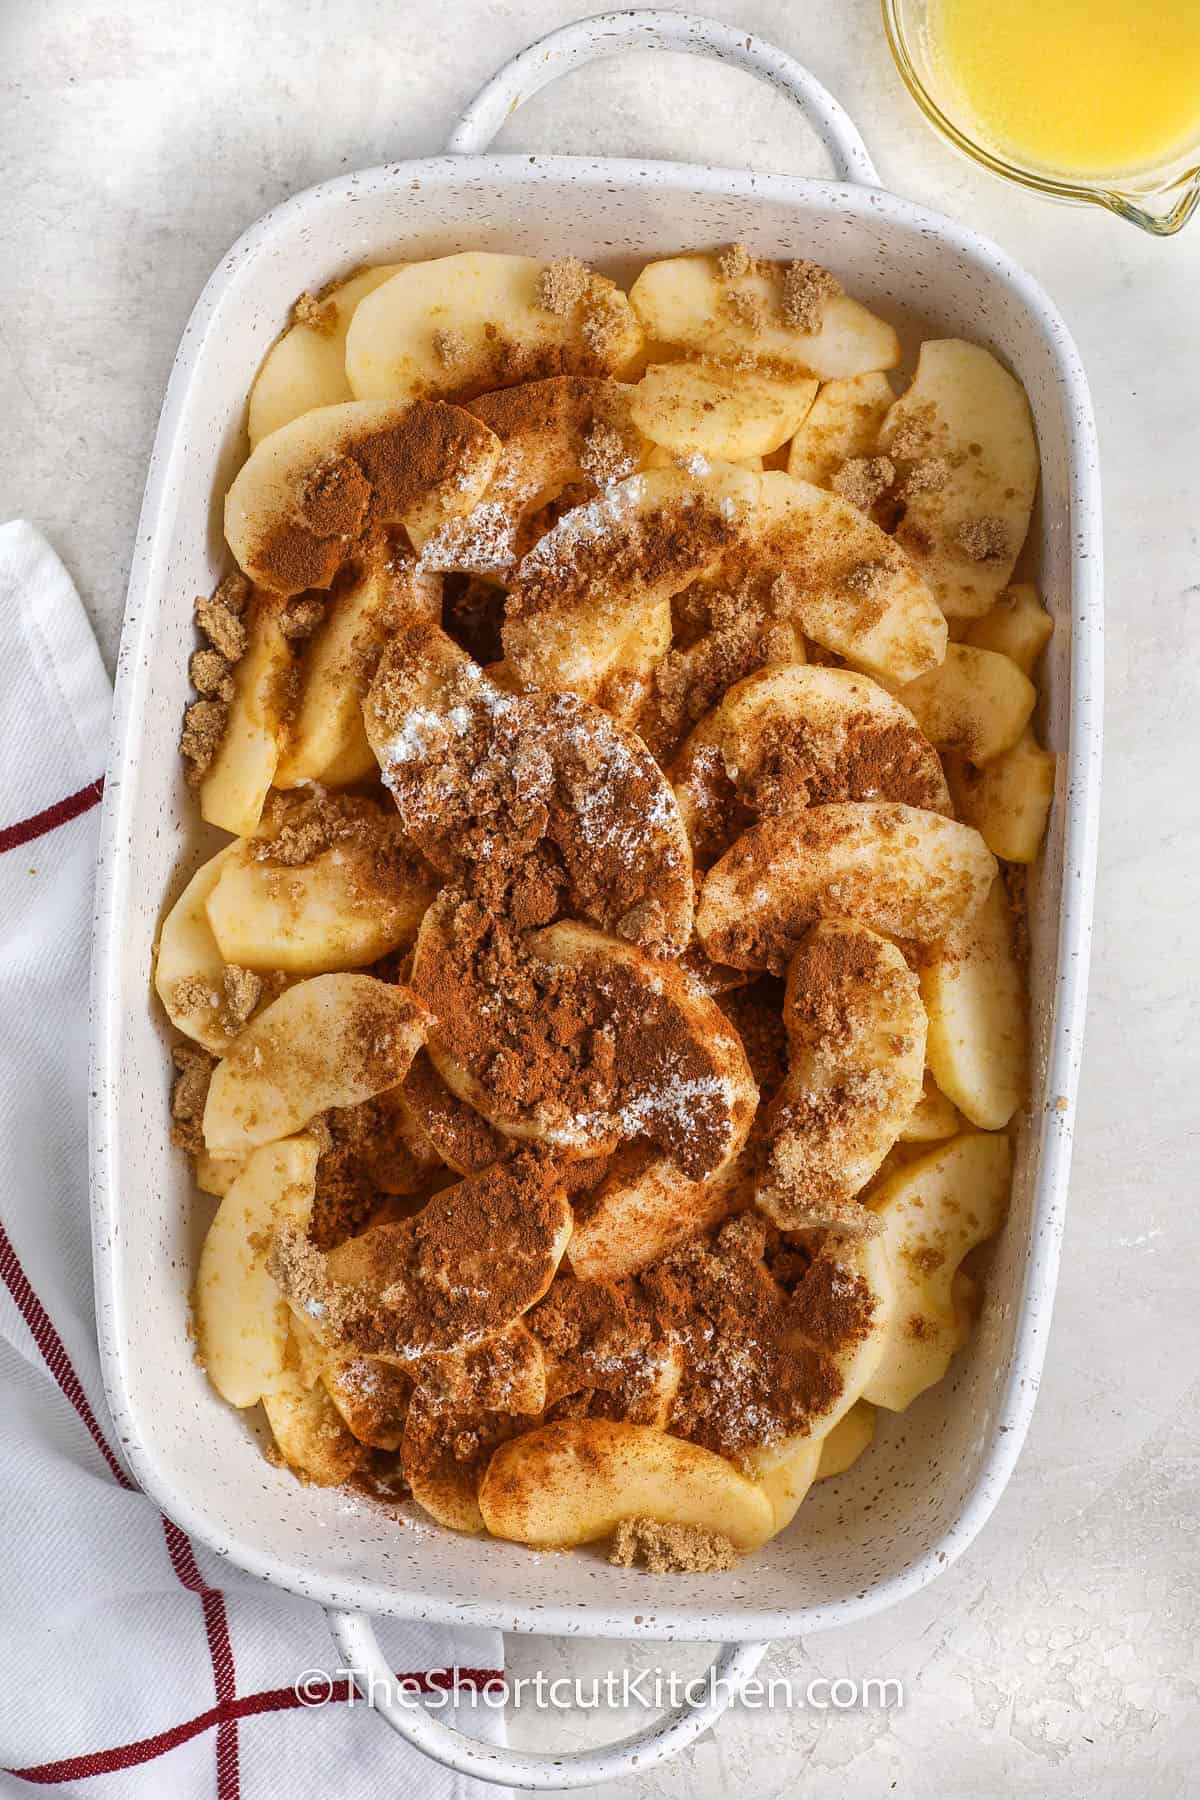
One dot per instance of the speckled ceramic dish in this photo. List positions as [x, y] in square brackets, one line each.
[860, 1542]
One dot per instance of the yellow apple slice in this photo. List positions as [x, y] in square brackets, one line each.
[933, 1212]
[848, 1440]
[842, 423]
[975, 704]
[1008, 802]
[683, 300]
[309, 1433]
[844, 581]
[334, 1040]
[308, 495]
[643, 1208]
[346, 906]
[238, 779]
[856, 1062]
[575, 1481]
[964, 433]
[372, 1395]
[468, 323]
[215, 1174]
[1018, 625]
[327, 742]
[591, 600]
[241, 1318]
[932, 1118]
[974, 993]
[795, 735]
[785, 1471]
[306, 367]
[903, 872]
[189, 961]
[719, 411]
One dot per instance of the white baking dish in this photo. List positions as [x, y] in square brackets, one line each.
[934, 1474]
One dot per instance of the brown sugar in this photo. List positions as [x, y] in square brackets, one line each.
[984, 539]
[734, 263]
[450, 347]
[221, 626]
[209, 673]
[563, 284]
[188, 1095]
[319, 315]
[301, 617]
[806, 289]
[204, 724]
[670, 1549]
[927, 477]
[863, 479]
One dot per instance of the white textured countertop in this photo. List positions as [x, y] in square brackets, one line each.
[136, 141]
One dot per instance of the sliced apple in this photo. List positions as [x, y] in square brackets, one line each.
[1008, 802]
[306, 367]
[590, 603]
[334, 1040]
[216, 1174]
[932, 1118]
[241, 1318]
[1017, 625]
[372, 1395]
[903, 872]
[933, 1213]
[856, 1049]
[468, 323]
[347, 906]
[236, 783]
[843, 422]
[975, 704]
[327, 742]
[848, 1440]
[963, 438]
[844, 581]
[719, 410]
[189, 960]
[643, 1208]
[785, 1471]
[310, 493]
[575, 1481]
[974, 993]
[310, 1434]
[794, 735]
[683, 300]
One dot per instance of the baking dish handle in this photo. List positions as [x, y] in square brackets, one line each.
[590, 40]
[354, 1634]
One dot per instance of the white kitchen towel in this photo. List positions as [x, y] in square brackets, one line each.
[134, 1664]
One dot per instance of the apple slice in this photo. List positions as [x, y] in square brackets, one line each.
[932, 1118]
[933, 1212]
[362, 895]
[843, 422]
[963, 438]
[372, 1395]
[216, 1174]
[236, 783]
[464, 324]
[718, 410]
[643, 1208]
[575, 1481]
[309, 1433]
[848, 1440]
[1008, 802]
[683, 300]
[903, 872]
[795, 735]
[241, 1318]
[189, 961]
[308, 495]
[327, 742]
[844, 581]
[306, 367]
[975, 704]
[1017, 625]
[785, 1471]
[974, 993]
[590, 603]
[334, 1040]
[856, 1048]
